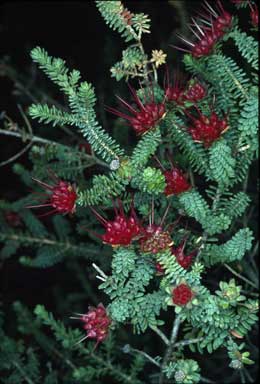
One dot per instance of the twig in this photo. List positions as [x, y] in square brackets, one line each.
[187, 342]
[240, 276]
[161, 334]
[24, 374]
[148, 357]
[169, 350]
[37, 139]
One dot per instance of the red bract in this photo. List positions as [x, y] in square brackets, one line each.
[254, 14]
[122, 230]
[61, 196]
[155, 239]
[195, 92]
[182, 294]
[206, 129]
[127, 16]
[96, 322]
[145, 116]
[184, 260]
[174, 90]
[176, 182]
[208, 30]
[159, 269]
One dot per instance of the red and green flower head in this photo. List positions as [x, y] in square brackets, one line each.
[254, 14]
[184, 260]
[61, 196]
[207, 129]
[96, 323]
[122, 230]
[174, 89]
[143, 115]
[182, 295]
[208, 29]
[154, 237]
[179, 91]
[195, 91]
[176, 181]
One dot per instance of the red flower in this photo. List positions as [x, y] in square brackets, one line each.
[155, 239]
[209, 30]
[145, 116]
[122, 230]
[61, 196]
[206, 129]
[96, 322]
[176, 182]
[159, 269]
[182, 294]
[195, 92]
[184, 260]
[254, 14]
[174, 91]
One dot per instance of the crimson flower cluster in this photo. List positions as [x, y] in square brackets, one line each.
[178, 92]
[61, 196]
[182, 294]
[122, 230]
[178, 252]
[184, 260]
[176, 182]
[155, 239]
[145, 116]
[96, 322]
[254, 14]
[209, 29]
[206, 129]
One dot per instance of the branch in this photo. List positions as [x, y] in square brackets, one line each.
[175, 329]
[160, 333]
[240, 276]
[37, 139]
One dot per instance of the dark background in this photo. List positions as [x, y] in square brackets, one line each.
[76, 32]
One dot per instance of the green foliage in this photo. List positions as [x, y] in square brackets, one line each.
[113, 14]
[194, 152]
[151, 180]
[131, 63]
[126, 288]
[145, 148]
[103, 189]
[238, 359]
[183, 371]
[246, 45]
[233, 249]
[206, 218]
[221, 163]
[81, 99]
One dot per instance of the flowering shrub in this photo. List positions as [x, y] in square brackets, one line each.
[163, 237]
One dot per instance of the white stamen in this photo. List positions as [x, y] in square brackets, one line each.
[197, 25]
[194, 33]
[211, 9]
[84, 338]
[186, 41]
